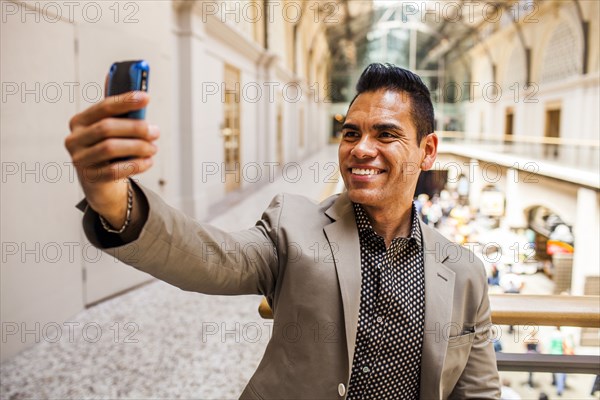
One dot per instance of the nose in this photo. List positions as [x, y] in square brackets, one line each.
[364, 148]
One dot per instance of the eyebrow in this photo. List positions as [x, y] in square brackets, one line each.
[387, 127]
[377, 127]
[350, 126]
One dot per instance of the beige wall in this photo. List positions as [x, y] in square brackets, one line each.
[68, 46]
[40, 278]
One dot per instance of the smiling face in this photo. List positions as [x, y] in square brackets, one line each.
[379, 156]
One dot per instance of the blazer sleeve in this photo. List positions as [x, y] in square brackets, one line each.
[192, 256]
[479, 379]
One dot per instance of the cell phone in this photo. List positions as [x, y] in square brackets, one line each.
[127, 76]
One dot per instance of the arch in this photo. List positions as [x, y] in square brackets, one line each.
[559, 55]
[561, 59]
[483, 71]
[514, 67]
[543, 208]
[585, 28]
[544, 220]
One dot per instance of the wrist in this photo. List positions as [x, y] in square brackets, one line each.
[118, 220]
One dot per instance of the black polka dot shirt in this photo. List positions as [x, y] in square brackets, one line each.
[389, 340]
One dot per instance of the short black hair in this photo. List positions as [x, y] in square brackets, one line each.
[388, 76]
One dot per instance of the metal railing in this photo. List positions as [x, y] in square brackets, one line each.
[543, 310]
[577, 153]
[523, 309]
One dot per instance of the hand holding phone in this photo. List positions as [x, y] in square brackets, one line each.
[108, 132]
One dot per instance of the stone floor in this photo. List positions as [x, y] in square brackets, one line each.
[155, 342]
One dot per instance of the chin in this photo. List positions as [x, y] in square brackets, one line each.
[362, 196]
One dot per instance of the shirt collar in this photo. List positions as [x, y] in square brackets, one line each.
[366, 229]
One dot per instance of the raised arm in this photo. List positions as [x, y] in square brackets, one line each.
[159, 239]
[193, 256]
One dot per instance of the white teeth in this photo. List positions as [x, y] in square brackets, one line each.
[361, 171]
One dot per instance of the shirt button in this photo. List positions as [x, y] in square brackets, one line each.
[366, 369]
[379, 319]
[341, 389]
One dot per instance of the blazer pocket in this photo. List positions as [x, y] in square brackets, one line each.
[457, 356]
[461, 340]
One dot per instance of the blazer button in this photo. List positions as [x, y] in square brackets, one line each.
[341, 389]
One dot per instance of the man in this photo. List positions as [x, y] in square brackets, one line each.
[390, 309]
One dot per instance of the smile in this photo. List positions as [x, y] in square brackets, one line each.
[365, 171]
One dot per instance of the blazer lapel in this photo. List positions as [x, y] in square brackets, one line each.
[343, 239]
[439, 293]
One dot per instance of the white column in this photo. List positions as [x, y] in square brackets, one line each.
[264, 112]
[475, 182]
[586, 260]
[191, 36]
[572, 124]
[514, 216]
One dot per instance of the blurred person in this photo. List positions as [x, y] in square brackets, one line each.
[596, 385]
[543, 396]
[419, 202]
[532, 346]
[511, 284]
[507, 392]
[562, 233]
[446, 203]
[497, 345]
[425, 205]
[495, 339]
[462, 189]
[434, 211]
[494, 278]
[388, 292]
[557, 346]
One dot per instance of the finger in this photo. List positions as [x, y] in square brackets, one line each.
[115, 128]
[116, 171]
[110, 107]
[110, 128]
[107, 150]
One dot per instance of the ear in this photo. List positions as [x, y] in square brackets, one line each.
[429, 146]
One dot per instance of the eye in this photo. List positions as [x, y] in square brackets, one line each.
[387, 135]
[350, 135]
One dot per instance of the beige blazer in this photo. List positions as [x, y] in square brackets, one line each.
[305, 258]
